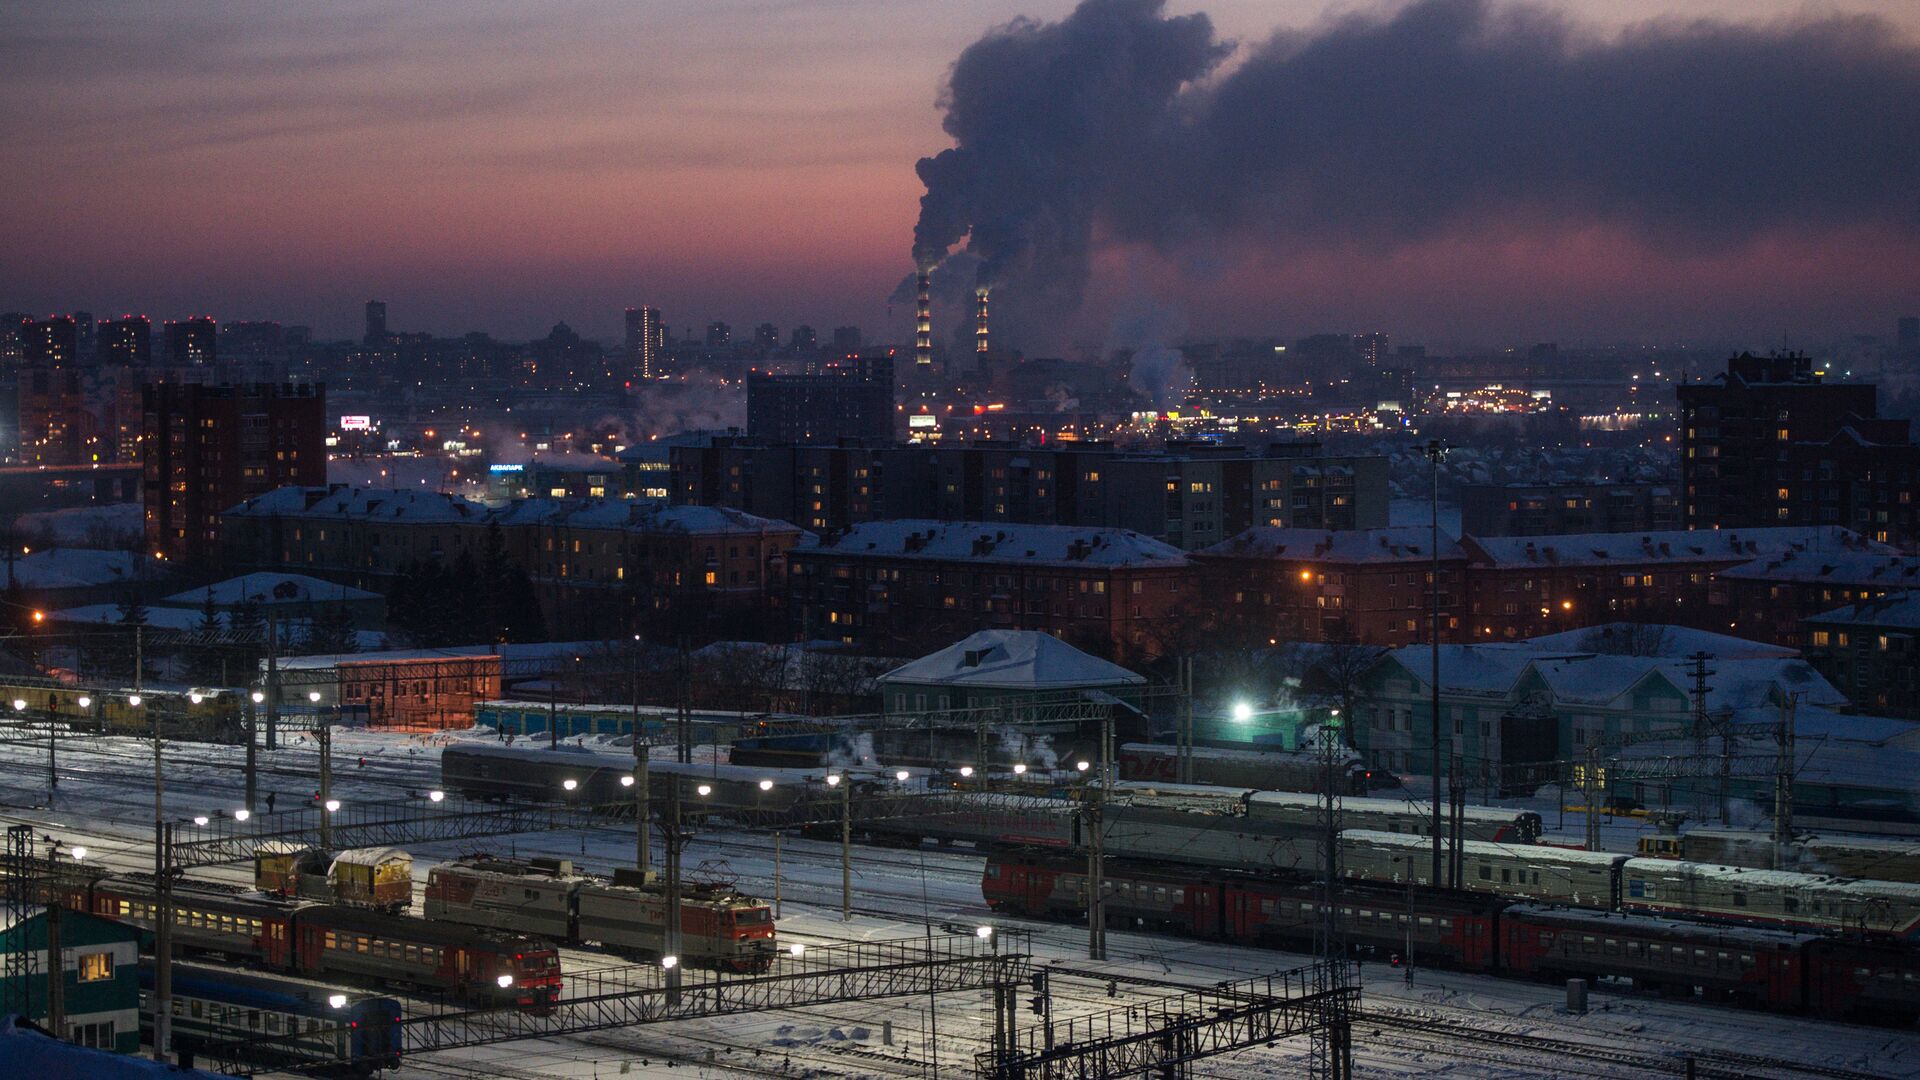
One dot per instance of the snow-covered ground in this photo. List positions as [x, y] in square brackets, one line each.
[1413, 1027]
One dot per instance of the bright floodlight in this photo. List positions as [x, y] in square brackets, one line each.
[242, 814]
[79, 852]
[1242, 711]
[766, 785]
[84, 702]
[902, 775]
[436, 796]
[833, 779]
[19, 704]
[704, 790]
[569, 783]
[797, 948]
[966, 770]
[133, 700]
[338, 1001]
[504, 981]
[983, 932]
[195, 697]
[333, 805]
[1083, 766]
[1020, 768]
[626, 781]
[258, 697]
[313, 696]
[200, 819]
[669, 962]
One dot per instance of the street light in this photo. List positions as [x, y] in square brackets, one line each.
[1242, 711]
[704, 790]
[313, 696]
[258, 697]
[79, 853]
[626, 781]
[1083, 766]
[504, 981]
[766, 785]
[133, 700]
[833, 780]
[333, 805]
[966, 770]
[797, 949]
[196, 697]
[983, 932]
[669, 962]
[1020, 768]
[436, 796]
[200, 819]
[902, 775]
[19, 704]
[242, 814]
[338, 1001]
[569, 783]
[84, 701]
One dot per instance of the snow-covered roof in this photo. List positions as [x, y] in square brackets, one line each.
[1400, 544]
[1578, 678]
[1678, 546]
[341, 501]
[602, 513]
[1012, 659]
[914, 538]
[1868, 569]
[1899, 611]
[1465, 669]
[539, 650]
[269, 588]
[73, 568]
[1650, 639]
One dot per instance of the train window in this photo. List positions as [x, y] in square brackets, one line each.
[1506, 875]
[1446, 924]
[1536, 877]
[360, 945]
[993, 872]
[273, 1022]
[412, 953]
[1347, 913]
[1634, 949]
[1746, 959]
[253, 1019]
[1739, 899]
[329, 942]
[1159, 895]
[1179, 896]
[1612, 945]
[197, 1007]
[1486, 872]
[1426, 920]
[1266, 907]
[1792, 904]
[1700, 956]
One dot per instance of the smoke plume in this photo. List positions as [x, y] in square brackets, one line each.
[1439, 117]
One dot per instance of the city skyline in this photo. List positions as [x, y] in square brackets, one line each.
[514, 171]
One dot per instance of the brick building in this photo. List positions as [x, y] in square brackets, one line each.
[1190, 496]
[1370, 586]
[901, 586]
[207, 447]
[849, 397]
[1871, 651]
[1549, 509]
[1769, 598]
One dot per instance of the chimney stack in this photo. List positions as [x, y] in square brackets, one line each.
[923, 319]
[980, 319]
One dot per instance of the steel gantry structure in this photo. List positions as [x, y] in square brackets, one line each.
[643, 994]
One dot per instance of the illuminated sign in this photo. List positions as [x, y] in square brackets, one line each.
[506, 468]
[922, 420]
[356, 423]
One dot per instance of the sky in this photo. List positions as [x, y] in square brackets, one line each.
[505, 166]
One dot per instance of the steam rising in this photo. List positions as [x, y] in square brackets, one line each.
[1437, 118]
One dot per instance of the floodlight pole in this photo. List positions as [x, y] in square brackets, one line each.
[1435, 450]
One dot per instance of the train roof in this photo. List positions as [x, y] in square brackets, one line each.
[1863, 844]
[262, 991]
[1862, 888]
[1304, 800]
[596, 758]
[1490, 849]
[1752, 936]
[372, 856]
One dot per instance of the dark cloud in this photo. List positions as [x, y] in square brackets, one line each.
[1436, 118]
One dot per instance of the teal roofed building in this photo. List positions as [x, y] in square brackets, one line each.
[1000, 667]
[100, 965]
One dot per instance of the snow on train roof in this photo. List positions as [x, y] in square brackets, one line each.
[1880, 845]
[596, 757]
[1904, 891]
[372, 856]
[1490, 849]
[1309, 801]
[1614, 920]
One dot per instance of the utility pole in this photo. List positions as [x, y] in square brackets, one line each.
[1589, 784]
[253, 763]
[1185, 770]
[53, 750]
[1095, 797]
[163, 895]
[674, 839]
[325, 731]
[846, 848]
[56, 965]
[139, 654]
[1783, 782]
[273, 683]
[1702, 723]
[642, 778]
[1435, 450]
[684, 710]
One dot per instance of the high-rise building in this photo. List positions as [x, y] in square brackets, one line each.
[125, 342]
[1371, 348]
[209, 447]
[376, 333]
[646, 338]
[803, 339]
[766, 336]
[846, 340]
[51, 342]
[83, 336]
[719, 335]
[253, 342]
[193, 342]
[824, 402]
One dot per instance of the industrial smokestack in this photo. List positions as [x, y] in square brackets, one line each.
[923, 319]
[980, 319]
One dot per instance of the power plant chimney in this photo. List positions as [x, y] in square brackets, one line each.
[980, 319]
[923, 319]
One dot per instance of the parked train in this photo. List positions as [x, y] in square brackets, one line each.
[1488, 823]
[284, 1022]
[817, 744]
[1264, 769]
[718, 926]
[1885, 858]
[377, 878]
[485, 967]
[1764, 968]
[195, 715]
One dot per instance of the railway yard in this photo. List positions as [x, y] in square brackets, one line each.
[1411, 1019]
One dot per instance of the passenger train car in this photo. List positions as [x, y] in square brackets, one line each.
[1265, 769]
[1832, 976]
[1881, 858]
[541, 774]
[718, 926]
[1395, 816]
[284, 1022]
[197, 715]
